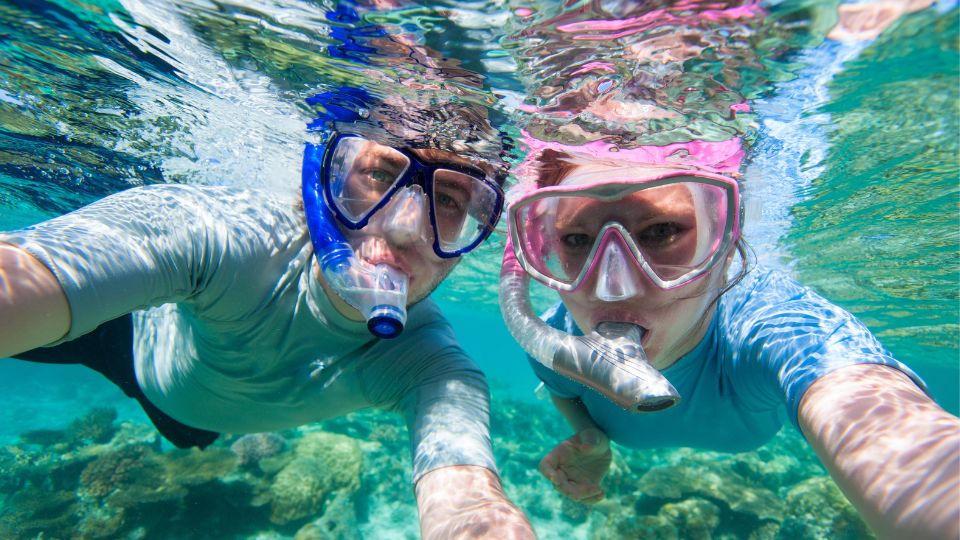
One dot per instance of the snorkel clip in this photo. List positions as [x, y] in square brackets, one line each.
[378, 292]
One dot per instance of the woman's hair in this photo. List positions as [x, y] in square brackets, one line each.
[550, 167]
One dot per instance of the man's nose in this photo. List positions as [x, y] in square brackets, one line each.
[618, 277]
[406, 217]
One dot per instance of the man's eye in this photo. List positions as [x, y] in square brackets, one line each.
[659, 234]
[576, 240]
[381, 175]
[446, 201]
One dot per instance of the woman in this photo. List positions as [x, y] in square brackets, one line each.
[644, 243]
[629, 206]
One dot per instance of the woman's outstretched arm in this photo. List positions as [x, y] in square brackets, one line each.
[33, 308]
[893, 451]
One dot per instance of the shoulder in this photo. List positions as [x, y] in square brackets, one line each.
[779, 334]
[766, 294]
[186, 206]
[557, 316]
[427, 332]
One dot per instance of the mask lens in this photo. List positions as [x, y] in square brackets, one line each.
[558, 254]
[675, 228]
[464, 207]
[682, 226]
[361, 173]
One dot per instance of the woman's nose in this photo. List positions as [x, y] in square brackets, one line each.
[618, 277]
[404, 222]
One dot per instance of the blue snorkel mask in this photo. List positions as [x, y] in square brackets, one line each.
[349, 178]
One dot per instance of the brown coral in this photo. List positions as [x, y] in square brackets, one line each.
[114, 470]
[96, 426]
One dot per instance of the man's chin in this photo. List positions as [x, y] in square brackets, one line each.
[427, 290]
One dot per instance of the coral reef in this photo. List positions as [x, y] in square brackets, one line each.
[817, 509]
[323, 463]
[120, 469]
[96, 426]
[777, 492]
[349, 479]
[253, 447]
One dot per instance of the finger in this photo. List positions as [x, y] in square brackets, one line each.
[594, 499]
[591, 494]
[550, 472]
[579, 492]
[564, 485]
[548, 466]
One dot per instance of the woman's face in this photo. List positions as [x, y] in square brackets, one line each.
[664, 223]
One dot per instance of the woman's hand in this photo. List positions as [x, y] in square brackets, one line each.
[577, 465]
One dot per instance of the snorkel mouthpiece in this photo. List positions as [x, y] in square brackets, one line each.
[378, 292]
[609, 360]
[625, 338]
[387, 312]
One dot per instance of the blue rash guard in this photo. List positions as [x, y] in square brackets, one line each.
[769, 340]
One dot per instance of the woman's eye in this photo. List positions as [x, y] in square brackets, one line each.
[576, 240]
[659, 234]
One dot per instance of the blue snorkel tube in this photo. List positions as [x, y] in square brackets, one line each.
[378, 292]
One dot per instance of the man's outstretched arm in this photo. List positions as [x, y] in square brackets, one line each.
[468, 502]
[33, 308]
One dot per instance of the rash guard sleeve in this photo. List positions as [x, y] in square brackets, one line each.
[427, 377]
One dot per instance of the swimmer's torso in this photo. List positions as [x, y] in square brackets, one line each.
[232, 334]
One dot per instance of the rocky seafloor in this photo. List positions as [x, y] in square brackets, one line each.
[349, 478]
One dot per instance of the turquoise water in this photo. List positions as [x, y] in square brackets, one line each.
[854, 186]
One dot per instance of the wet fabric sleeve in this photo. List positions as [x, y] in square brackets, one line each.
[131, 250]
[782, 337]
[442, 394]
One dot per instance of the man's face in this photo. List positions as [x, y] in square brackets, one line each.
[400, 234]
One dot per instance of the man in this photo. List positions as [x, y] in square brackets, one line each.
[223, 309]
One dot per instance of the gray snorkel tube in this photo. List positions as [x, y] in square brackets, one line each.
[609, 360]
[378, 292]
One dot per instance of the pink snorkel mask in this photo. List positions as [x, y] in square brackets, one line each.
[667, 214]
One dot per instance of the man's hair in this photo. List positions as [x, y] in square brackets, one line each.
[415, 119]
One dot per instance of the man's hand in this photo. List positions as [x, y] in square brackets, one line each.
[577, 465]
[467, 502]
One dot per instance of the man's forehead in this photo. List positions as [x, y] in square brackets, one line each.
[435, 156]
